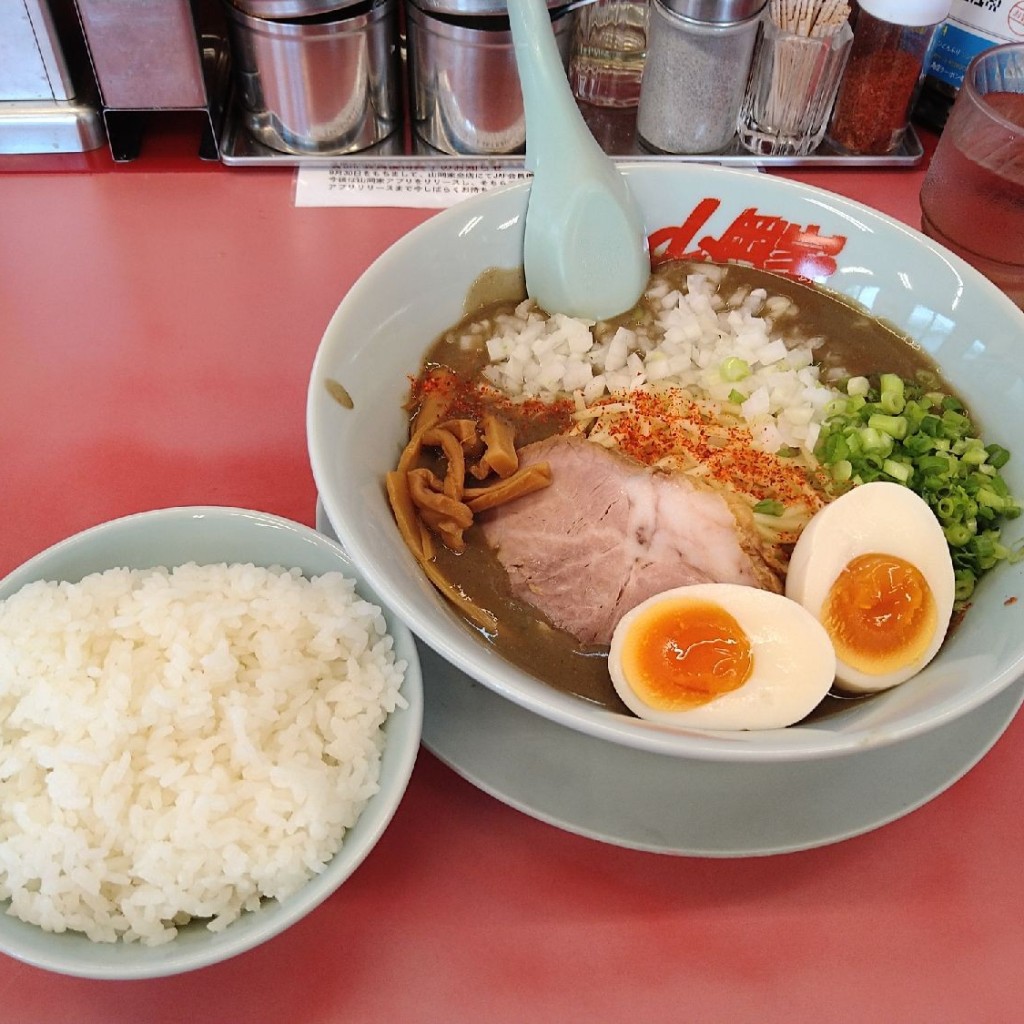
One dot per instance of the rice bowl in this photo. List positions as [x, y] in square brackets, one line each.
[251, 731]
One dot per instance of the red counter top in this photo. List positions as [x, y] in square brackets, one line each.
[157, 325]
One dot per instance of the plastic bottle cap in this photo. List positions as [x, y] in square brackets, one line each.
[908, 12]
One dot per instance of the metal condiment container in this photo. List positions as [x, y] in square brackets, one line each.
[317, 77]
[463, 82]
[698, 56]
[283, 10]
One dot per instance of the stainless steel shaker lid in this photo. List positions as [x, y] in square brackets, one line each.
[717, 12]
[479, 8]
[280, 10]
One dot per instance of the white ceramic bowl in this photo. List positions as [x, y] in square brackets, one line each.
[207, 535]
[382, 328]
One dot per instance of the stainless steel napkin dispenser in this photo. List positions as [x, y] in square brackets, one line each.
[48, 99]
[151, 56]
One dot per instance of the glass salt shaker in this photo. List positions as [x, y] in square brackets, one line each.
[891, 43]
[698, 56]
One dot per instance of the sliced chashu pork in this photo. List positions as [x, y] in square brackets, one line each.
[609, 533]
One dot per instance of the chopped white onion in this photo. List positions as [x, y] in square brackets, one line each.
[783, 398]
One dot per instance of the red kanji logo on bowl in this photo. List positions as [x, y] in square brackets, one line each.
[754, 238]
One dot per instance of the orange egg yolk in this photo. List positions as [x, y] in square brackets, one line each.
[880, 614]
[681, 654]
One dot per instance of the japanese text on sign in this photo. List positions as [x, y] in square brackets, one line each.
[412, 184]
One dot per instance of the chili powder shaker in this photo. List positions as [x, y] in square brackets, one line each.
[698, 56]
[891, 44]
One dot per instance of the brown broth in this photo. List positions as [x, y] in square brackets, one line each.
[851, 339]
[494, 286]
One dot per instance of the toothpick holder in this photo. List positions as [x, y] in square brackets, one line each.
[791, 87]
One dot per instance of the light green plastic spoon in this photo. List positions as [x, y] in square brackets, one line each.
[585, 251]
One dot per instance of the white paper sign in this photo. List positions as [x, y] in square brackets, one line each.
[433, 184]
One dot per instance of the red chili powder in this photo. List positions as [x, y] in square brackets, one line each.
[667, 424]
[874, 101]
[468, 399]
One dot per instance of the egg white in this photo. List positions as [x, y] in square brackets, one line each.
[793, 662]
[878, 517]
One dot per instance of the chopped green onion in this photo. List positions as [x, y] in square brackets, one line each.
[915, 435]
[957, 534]
[937, 465]
[901, 472]
[963, 585]
[988, 498]
[954, 424]
[734, 368]
[894, 426]
[974, 454]
[891, 393]
[842, 471]
[836, 449]
[737, 397]
[997, 456]
[874, 441]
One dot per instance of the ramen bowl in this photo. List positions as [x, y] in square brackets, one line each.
[380, 332]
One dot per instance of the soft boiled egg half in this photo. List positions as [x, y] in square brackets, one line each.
[721, 656]
[874, 568]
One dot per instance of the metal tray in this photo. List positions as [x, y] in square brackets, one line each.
[615, 130]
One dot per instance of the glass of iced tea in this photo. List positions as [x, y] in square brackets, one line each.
[972, 199]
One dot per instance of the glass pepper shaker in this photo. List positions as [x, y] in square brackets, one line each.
[891, 43]
[698, 56]
[609, 48]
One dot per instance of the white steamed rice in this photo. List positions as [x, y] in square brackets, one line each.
[183, 744]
